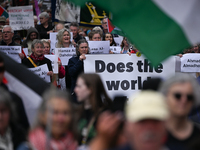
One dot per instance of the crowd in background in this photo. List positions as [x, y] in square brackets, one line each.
[77, 112]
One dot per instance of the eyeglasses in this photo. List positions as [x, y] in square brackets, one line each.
[178, 96]
[104, 22]
[6, 32]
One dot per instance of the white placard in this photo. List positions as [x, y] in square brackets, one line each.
[25, 51]
[190, 62]
[12, 51]
[124, 74]
[41, 71]
[115, 49]
[54, 40]
[54, 62]
[65, 54]
[118, 40]
[99, 47]
[21, 18]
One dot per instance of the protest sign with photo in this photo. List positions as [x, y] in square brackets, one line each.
[41, 71]
[118, 40]
[65, 54]
[99, 47]
[12, 51]
[124, 74]
[54, 62]
[190, 62]
[21, 18]
[115, 49]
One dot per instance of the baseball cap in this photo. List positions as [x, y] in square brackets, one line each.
[147, 105]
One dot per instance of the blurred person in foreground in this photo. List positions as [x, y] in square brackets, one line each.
[54, 127]
[145, 125]
[11, 134]
[182, 93]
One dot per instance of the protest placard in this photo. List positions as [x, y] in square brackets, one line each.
[41, 71]
[118, 40]
[115, 49]
[25, 51]
[54, 62]
[190, 62]
[124, 74]
[21, 18]
[54, 40]
[12, 51]
[99, 47]
[65, 54]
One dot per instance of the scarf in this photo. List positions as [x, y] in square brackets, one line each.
[36, 59]
[37, 139]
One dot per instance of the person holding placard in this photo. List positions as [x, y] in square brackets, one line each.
[75, 64]
[37, 57]
[125, 49]
[8, 34]
[63, 38]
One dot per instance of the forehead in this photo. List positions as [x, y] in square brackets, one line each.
[96, 34]
[184, 87]
[105, 20]
[73, 27]
[7, 29]
[38, 44]
[66, 32]
[33, 33]
[108, 34]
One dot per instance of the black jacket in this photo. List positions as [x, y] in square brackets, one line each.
[43, 31]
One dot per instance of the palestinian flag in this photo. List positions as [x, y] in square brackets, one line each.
[114, 30]
[159, 28]
[28, 86]
[3, 12]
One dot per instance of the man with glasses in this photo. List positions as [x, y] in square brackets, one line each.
[104, 25]
[7, 39]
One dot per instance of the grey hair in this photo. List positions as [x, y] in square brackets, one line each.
[59, 37]
[74, 24]
[44, 14]
[182, 78]
[103, 19]
[6, 100]
[35, 17]
[78, 45]
[44, 106]
[36, 41]
[46, 41]
[59, 24]
[8, 26]
[98, 29]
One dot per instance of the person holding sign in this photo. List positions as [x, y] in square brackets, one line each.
[90, 91]
[37, 57]
[47, 52]
[125, 46]
[75, 64]
[8, 34]
[63, 38]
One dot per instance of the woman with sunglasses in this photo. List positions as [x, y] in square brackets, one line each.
[182, 94]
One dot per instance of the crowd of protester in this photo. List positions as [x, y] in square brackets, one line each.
[77, 112]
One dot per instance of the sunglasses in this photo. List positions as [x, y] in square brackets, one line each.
[2, 69]
[178, 96]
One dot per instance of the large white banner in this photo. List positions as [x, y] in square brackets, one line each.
[12, 51]
[41, 71]
[99, 47]
[190, 62]
[21, 18]
[65, 54]
[124, 74]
